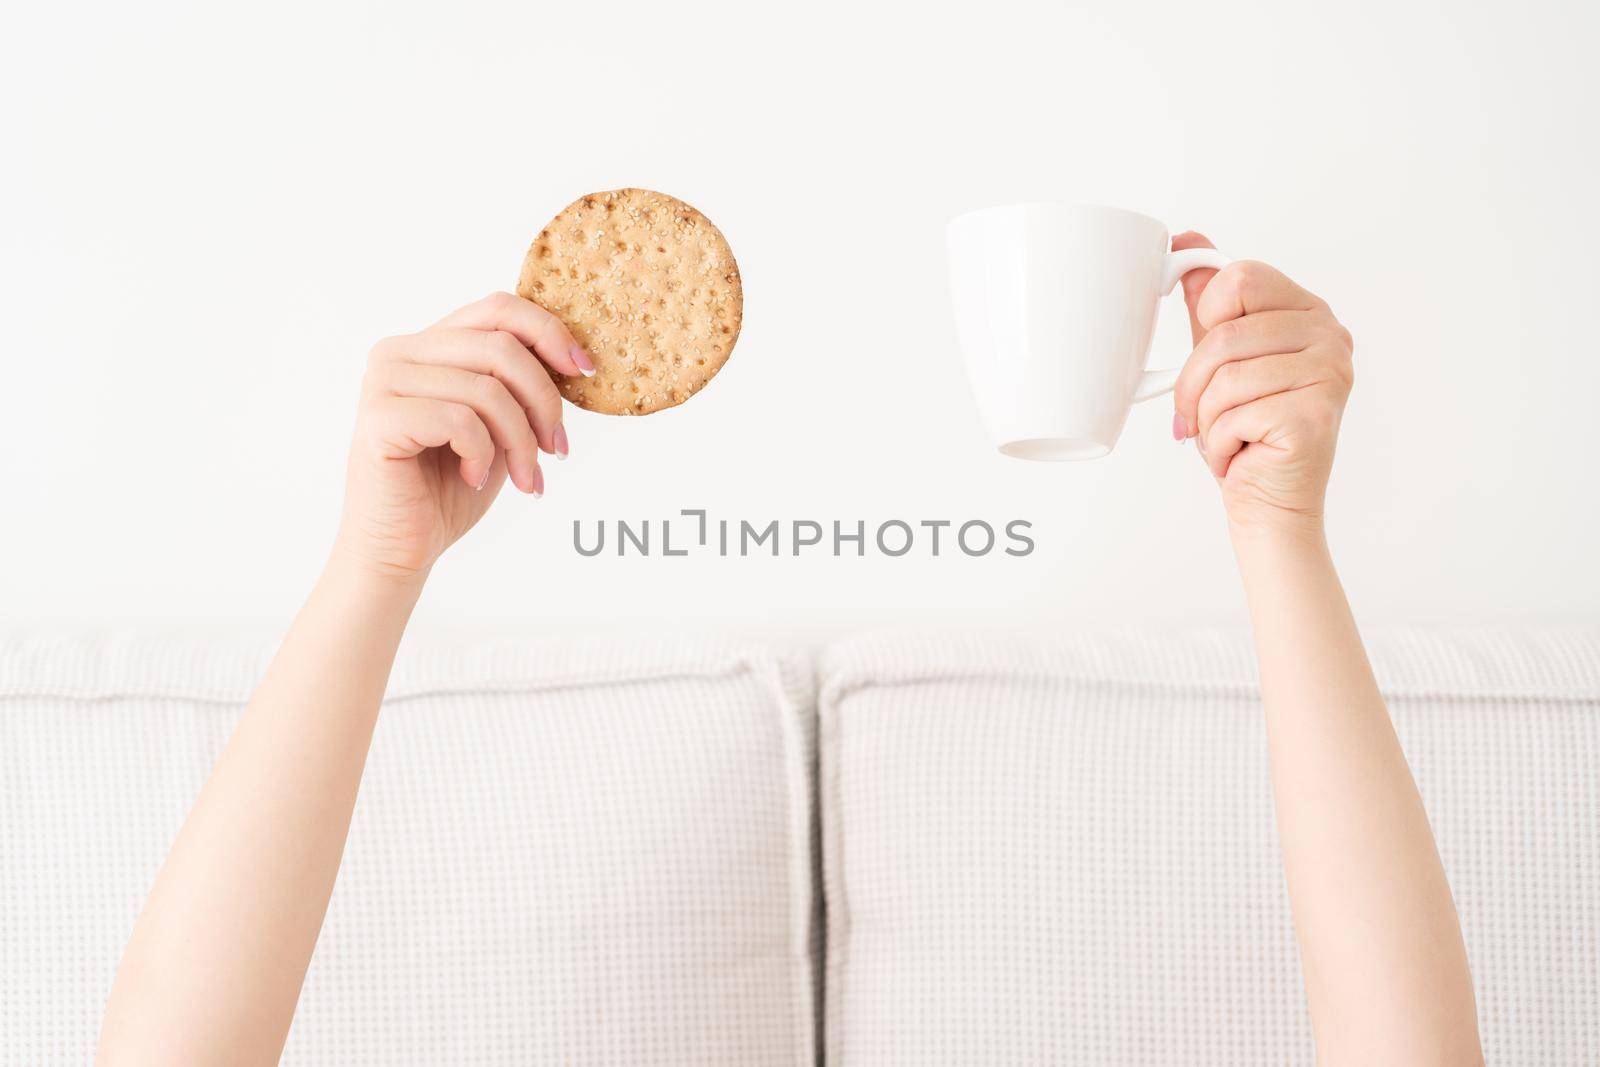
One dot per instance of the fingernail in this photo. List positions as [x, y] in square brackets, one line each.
[485, 479]
[538, 482]
[581, 358]
[1180, 429]
[561, 441]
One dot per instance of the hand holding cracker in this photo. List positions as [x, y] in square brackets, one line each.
[446, 416]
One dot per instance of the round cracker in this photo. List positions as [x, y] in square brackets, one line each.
[649, 286]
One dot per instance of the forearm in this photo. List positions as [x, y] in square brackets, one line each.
[214, 966]
[1385, 968]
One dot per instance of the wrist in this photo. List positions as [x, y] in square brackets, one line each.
[352, 573]
[1285, 568]
[1265, 523]
[375, 561]
[1277, 536]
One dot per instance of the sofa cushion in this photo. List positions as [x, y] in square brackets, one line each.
[1060, 849]
[562, 852]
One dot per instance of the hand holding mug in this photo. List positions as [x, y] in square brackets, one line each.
[1055, 309]
[1263, 391]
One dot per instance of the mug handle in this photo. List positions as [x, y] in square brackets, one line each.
[1175, 266]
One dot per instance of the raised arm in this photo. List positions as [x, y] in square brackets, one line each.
[1384, 964]
[214, 967]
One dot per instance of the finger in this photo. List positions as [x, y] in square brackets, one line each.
[493, 352]
[406, 426]
[1243, 381]
[1256, 423]
[529, 323]
[487, 396]
[1194, 282]
[1245, 287]
[1262, 334]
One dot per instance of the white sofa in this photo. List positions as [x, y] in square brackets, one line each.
[902, 848]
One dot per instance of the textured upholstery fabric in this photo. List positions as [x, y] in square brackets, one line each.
[561, 853]
[1039, 848]
[1048, 849]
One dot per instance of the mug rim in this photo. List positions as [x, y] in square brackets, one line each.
[1070, 204]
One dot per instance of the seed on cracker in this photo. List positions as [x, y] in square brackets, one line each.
[648, 286]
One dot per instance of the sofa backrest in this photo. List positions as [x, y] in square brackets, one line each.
[1032, 848]
[561, 852]
[1059, 848]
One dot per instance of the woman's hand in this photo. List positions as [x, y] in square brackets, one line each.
[1263, 391]
[446, 415]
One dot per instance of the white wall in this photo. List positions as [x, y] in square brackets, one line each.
[211, 211]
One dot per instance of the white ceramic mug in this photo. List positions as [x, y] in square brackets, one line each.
[1055, 307]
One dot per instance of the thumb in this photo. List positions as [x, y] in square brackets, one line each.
[1194, 283]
